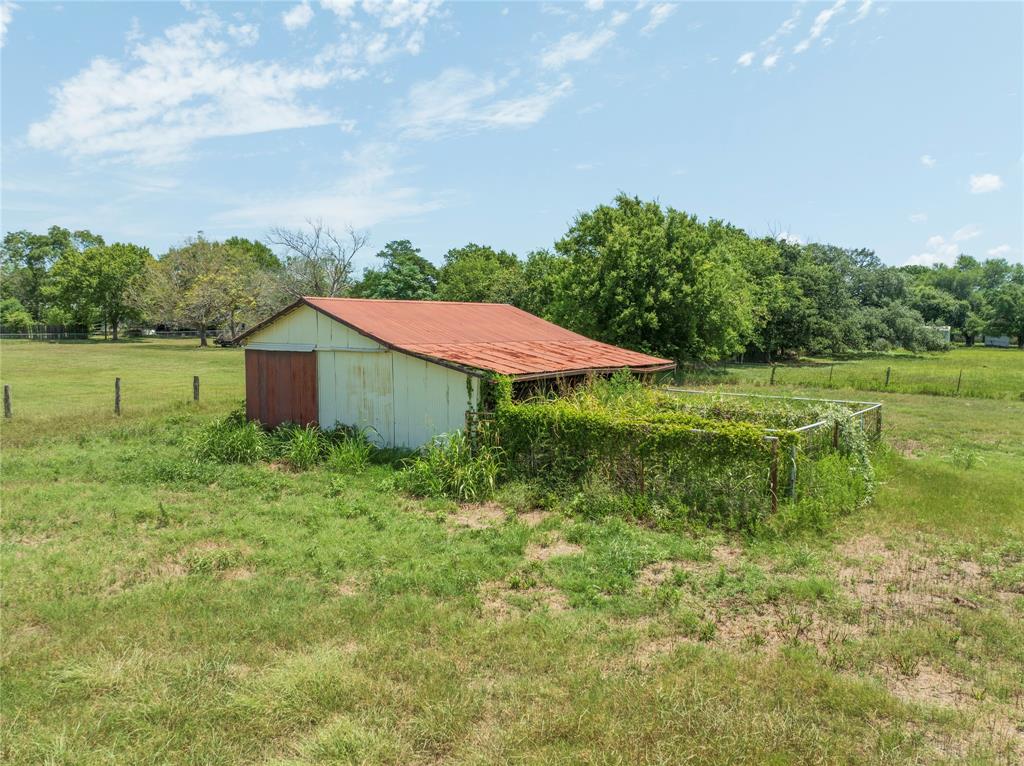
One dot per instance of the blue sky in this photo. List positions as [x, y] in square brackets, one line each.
[894, 126]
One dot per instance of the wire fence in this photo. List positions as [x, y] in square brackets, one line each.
[974, 377]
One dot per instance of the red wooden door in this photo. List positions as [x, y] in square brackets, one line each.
[280, 387]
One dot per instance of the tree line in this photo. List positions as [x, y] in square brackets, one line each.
[631, 273]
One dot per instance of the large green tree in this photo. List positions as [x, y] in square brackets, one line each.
[208, 285]
[104, 281]
[27, 259]
[479, 273]
[404, 275]
[1008, 311]
[656, 280]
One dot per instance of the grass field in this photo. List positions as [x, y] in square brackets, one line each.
[161, 611]
[976, 372]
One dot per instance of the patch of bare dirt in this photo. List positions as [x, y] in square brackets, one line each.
[900, 584]
[32, 541]
[237, 573]
[660, 572]
[773, 626]
[501, 601]
[349, 587]
[533, 518]
[477, 515]
[929, 685]
[647, 652]
[997, 729]
[549, 547]
[653, 575]
[909, 448]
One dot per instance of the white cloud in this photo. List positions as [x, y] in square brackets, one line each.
[1000, 251]
[459, 101]
[244, 34]
[918, 217]
[297, 16]
[583, 166]
[173, 91]
[393, 14]
[793, 239]
[658, 16]
[575, 47]
[745, 59]
[862, 11]
[343, 9]
[594, 5]
[818, 27]
[927, 160]
[372, 193]
[619, 18]
[964, 233]
[7, 10]
[770, 61]
[985, 183]
[937, 250]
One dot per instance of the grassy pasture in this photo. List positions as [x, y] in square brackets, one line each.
[161, 611]
[990, 373]
[70, 386]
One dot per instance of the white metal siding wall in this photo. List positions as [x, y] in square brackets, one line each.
[429, 400]
[406, 400]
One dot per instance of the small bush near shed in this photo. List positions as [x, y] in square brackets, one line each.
[302, 447]
[231, 439]
[449, 467]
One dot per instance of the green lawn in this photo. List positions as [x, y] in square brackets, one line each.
[980, 372]
[70, 385]
[159, 611]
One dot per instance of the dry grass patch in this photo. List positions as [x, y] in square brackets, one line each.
[500, 600]
[477, 515]
[551, 546]
[897, 586]
[533, 518]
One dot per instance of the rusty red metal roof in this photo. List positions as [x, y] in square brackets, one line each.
[484, 336]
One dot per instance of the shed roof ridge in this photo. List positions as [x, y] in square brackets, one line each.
[427, 302]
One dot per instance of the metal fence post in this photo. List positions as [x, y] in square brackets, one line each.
[195, 388]
[772, 381]
[117, 396]
[888, 371]
[7, 401]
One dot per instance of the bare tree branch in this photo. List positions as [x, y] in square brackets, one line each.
[317, 260]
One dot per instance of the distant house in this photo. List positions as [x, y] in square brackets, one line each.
[408, 370]
[997, 341]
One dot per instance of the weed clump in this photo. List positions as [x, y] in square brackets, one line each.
[231, 439]
[449, 467]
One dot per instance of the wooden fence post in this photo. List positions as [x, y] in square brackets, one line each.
[195, 388]
[772, 381]
[117, 396]
[7, 401]
[959, 380]
[888, 371]
[773, 475]
[792, 472]
[831, 369]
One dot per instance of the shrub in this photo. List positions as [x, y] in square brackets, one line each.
[350, 452]
[231, 439]
[448, 467]
[301, 446]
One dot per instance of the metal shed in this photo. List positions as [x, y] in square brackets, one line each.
[406, 370]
